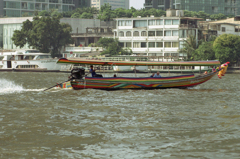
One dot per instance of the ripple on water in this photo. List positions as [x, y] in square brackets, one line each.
[202, 122]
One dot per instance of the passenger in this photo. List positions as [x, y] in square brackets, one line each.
[152, 75]
[205, 73]
[114, 75]
[157, 74]
[92, 71]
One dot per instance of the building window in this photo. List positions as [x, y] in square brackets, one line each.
[159, 44]
[128, 44]
[236, 28]
[151, 33]
[191, 33]
[143, 33]
[128, 33]
[121, 33]
[159, 33]
[124, 23]
[175, 44]
[151, 44]
[136, 45]
[174, 54]
[151, 22]
[175, 22]
[175, 33]
[159, 22]
[121, 44]
[182, 33]
[167, 33]
[167, 44]
[160, 2]
[168, 22]
[181, 44]
[140, 23]
[143, 44]
[223, 29]
[135, 33]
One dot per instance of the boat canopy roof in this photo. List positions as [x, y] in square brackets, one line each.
[137, 63]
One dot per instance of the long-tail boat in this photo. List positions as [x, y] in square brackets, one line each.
[79, 81]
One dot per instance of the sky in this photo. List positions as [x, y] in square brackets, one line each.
[138, 4]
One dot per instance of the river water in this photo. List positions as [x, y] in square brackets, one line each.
[202, 122]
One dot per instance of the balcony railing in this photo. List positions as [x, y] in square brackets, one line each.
[188, 26]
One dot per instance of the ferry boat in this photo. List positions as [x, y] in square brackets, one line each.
[78, 79]
[29, 60]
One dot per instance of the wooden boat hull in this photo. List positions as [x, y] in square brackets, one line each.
[140, 83]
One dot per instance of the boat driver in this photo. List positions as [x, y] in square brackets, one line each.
[157, 74]
[92, 71]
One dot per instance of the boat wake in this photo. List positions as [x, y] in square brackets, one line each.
[9, 87]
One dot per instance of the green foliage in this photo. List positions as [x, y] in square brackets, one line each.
[218, 16]
[204, 15]
[76, 15]
[189, 47]
[106, 13]
[44, 13]
[86, 15]
[46, 34]
[227, 48]
[205, 51]
[113, 47]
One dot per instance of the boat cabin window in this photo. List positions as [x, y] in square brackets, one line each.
[28, 57]
[27, 66]
[32, 51]
[43, 57]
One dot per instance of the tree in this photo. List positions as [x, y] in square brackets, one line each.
[113, 47]
[205, 51]
[189, 47]
[76, 15]
[218, 16]
[227, 48]
[46, 34]
[106, 13]
[44, 13]
[86, 15]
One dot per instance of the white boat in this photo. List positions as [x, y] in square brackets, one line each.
[28, 60]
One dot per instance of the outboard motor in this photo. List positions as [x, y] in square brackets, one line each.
[77, 73]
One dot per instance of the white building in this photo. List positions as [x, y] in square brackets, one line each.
[226, 26]
[114, 3]
[156, 36]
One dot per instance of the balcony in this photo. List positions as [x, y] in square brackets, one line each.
[188, 26]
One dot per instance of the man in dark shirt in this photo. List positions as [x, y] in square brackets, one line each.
[92, 71]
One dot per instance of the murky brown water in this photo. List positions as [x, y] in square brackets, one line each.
[203, 122]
